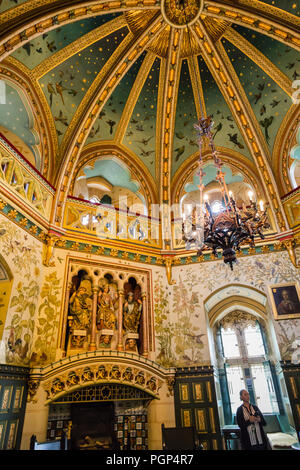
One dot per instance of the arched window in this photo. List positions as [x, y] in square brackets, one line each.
[246, 361]
[5, 289]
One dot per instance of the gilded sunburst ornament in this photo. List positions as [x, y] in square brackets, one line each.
[181, 13]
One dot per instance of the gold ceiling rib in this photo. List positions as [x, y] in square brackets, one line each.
[258, 16]
[138, 19]
[260, 59]
[197, 85]
[97, 100]
[134, 95]
[78, 45]
[228, 82]
[168, 122]
[159, 127]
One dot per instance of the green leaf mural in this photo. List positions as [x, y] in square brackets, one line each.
[47, 322]
[22, 323]
[180, 341]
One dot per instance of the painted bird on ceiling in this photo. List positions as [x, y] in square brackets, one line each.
[234, 139]
[146, 153]
[274, 103]
[28, 47]
[51, 91]
[179, 135]
[266, 123]
[218, 129]
[144, 141]
[61, 118]
[51, 46]
[180, 151]
[111, 125]
[60, 89]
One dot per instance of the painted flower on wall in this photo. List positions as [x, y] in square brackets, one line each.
[22, 254]
[47, 321]
[177, 333]
[22, 323]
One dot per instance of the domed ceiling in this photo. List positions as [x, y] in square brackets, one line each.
[68, 62]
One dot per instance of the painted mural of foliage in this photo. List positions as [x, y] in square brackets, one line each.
[22, 254]
[47, 322]
[164, 329]
[288, 331]
[15, 243]
[180, 341]
[187, 338]
[22, 322]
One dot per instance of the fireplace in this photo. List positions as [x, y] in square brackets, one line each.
[93, 426]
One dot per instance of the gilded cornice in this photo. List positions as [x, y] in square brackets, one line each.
[76, 46]
[120, 250]
[94, 106]
[258, 16]
[30, 19]
[228, 82]
[100, 367]
[260, 59]
[134, 95]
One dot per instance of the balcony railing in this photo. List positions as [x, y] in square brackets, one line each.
[22, 183]
[106, 222]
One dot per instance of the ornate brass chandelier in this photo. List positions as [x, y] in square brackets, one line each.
[231, 226]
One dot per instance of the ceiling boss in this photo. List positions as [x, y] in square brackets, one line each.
[180, 13]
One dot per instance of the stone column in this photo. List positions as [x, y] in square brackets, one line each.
[120, 320]
[145, 325]
[92, 345]
[65, 317]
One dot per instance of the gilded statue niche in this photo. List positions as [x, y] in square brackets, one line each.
[106, 308]
[79, 318]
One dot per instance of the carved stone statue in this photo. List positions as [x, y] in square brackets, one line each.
[131, 314]
[80, 306]
[106, 318]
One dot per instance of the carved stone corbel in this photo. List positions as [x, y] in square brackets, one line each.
[33, 385]
[290, 245]
[170, 384]
[168, 264]
[48, 250]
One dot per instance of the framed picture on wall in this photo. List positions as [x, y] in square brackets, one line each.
[285, 300]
